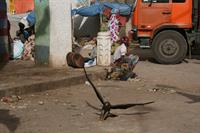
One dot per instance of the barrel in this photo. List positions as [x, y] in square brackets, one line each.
[75, 60]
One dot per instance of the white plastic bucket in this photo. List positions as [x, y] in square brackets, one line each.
[104, 49]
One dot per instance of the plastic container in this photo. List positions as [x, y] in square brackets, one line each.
[18, 48]
[104, 49]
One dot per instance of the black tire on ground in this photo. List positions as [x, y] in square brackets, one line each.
[169, 47]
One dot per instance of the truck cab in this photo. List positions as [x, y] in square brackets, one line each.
[168, 26]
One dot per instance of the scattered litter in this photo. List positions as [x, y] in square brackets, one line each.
[6, 99]
[154, 90]
[83, 41]
[12, 106]
[64, 104]
[29, 48]
[87, 83]
[88, 46]
[172, 91]
[90, 63]
[56, 101]
[20, 98]
[10, 99]
[134, 79]
[163, 90]
[22, 107]
[41, 103]
[123, 70]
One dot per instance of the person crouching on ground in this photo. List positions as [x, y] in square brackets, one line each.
[123, 61]
[121, 51]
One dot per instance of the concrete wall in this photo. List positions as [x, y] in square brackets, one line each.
[53, 31]
[60, 31]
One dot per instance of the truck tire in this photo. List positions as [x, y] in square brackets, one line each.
[169, 47]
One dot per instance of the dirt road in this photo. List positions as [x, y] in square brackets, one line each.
[174, 88]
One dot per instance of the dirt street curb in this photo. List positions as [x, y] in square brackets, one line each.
[51, 84]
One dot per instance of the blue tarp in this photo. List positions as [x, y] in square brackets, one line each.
[92, 10]
[31, 18]
[123, 9]
[99, 7]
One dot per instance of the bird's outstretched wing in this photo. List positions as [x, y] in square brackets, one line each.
[95, 89]
[126, 106]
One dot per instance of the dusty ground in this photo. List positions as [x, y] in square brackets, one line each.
[174, 88]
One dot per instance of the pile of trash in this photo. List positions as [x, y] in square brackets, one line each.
[23, 45]
[124, 70]
[87, 47]
[11, 99]
[24, 51]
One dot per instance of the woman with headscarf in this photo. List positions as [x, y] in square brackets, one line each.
[123, 62]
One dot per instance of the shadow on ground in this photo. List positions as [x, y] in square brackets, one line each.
[10, 121]
[193, 98]
[147, 55]
[2, 65]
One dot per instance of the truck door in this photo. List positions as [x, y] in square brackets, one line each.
[152, 13]
[182, 13]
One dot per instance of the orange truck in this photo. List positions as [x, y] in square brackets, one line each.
[170, 27]
[21, 6]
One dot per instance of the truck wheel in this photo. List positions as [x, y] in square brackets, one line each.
[169, 47]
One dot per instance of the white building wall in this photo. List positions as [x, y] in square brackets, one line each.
[60, 31]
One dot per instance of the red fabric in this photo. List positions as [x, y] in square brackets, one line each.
[122, 20]
[107, 12]
[22, 6]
